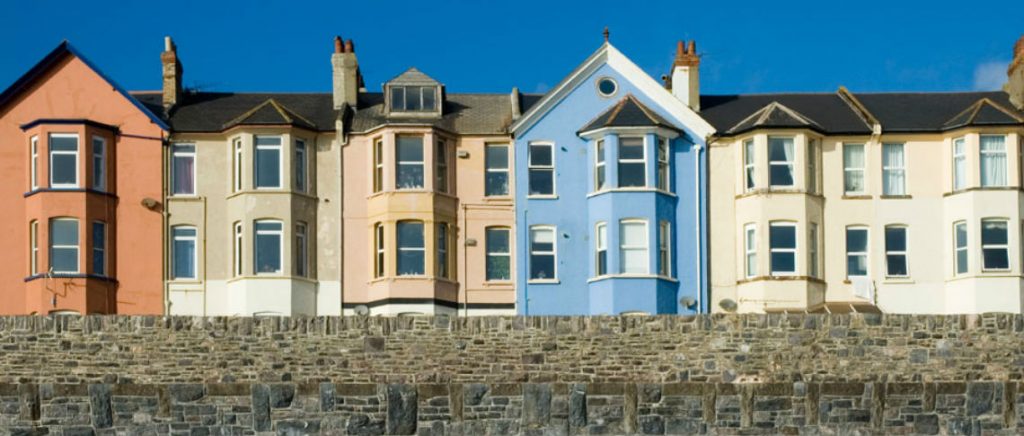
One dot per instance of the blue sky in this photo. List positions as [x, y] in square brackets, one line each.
[491, 46]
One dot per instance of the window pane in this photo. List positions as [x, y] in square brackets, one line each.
[428, 98]
[268, 166]
[781, 175]
[397, 98]
[410, 235]
[99, 245]
[993, 233]
[783, 262]
[184, 252]
[856, 240]
[496, 184]
[412, 98]
[961, 261]
[268, 140]
[857, 265]
[497, 241]
[631, 174]
[633, 234]
[499, 268]
[410, 149]
[63, 143]
[497, 157]
[268, 251]
[633, 239]
[63, 171]
[895, 239]
[263, 226]
[634, 261]
[542, 240]
[993, 160]
[961, 235]
[64, 232]
[64, 245]
[780, 149]
[602, 262]
[540, 155]
[409, 155]
[631, 148]
[996, 258]
[410, 248]
[541, 182]
[896, 264]
[542, 267]
[782, 236]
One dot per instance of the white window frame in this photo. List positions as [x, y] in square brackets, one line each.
[379, 258]
[34, 163]
[301, 166]
[861, 169]
[618, 175]
[176, 152]
[441, 174]
[905, 252]
[378, 165]
[1005, 247]
[239, 249]
[76, 247]
[623, 248]
[442, 267]
[982, 154]
[888, 167]
[786, 163]
[600, 166]
[279, 148]
[749, 165]
[491, 254]
[422, 248]
[865, 253]
[301, 250]
[422, 163]
[405, 98]
[812, 251]
[957, 249]
[530, 166]
[600, 246]
[195, 251]
[488, 170]
[99, 164]
[78, 148]
[750, 250]
[237, 165]
[554, 253]
[33, 247]
[664, 175]
[959, 157]
[795, 251]
[664, 249]
[256, 232]
[97, 248]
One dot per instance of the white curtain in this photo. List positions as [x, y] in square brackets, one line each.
[993, 160]
[894, 169]
[853, 158]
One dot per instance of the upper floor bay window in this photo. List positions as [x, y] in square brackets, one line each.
[378, 250]
[411, 248]
[600, 168]
[664, 249]
[780, 161]
[268, 247]
[541, 169]
[782, 247]
[993, 160]
[959, 164]
[498, 265]
[301, 165]
[663, 164]
[378, 165]
[812, 166]
[995, 249]
[441, 166]
[99, 248]
[856, 251]
[413, 98]
[183, 169]
[749, 169]
[896, 251]
[183, 247]
[894, 170]
[542, 253]
[268, 163]
[236, 167]
[853, 169]
[33, 174]
[63, 160]
[301, 250]
[960, 247]
[632, 162]
[496, 170]
[99, 163]
[409, 162]
[633, 247]
[750, 250]
[601, 249]
[64, 245]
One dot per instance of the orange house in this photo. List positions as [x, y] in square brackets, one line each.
[82, 218]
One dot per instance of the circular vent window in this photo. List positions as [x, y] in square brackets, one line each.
[606, 86]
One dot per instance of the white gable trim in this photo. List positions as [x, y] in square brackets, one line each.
[607, 54]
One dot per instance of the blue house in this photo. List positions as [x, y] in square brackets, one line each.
[610, 174]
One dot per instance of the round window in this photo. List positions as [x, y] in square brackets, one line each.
[606, 86]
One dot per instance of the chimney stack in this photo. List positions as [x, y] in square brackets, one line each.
[345, 73]
[685, 78]
[172, 74]
[1015, 76]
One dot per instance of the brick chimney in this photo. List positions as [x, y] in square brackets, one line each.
[345, 73]
[172, 73]
[1015, 75]
[685, 78]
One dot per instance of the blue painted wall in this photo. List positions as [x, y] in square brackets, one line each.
[574, 214]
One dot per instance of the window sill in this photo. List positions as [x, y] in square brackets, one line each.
[181, 197]
[628, 190]
[777, 278]
[77, 190]
[542, 197]
[70, 276]
[776, 191]
[898, 281]
[498, 283]
[632, 276]
[856, 197]
[543, 282]
[983, 188]
[896, 197]
[498, 198]
[184, 282]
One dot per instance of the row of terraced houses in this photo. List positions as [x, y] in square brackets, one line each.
[612, 193]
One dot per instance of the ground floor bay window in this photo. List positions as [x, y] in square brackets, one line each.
[268, 249]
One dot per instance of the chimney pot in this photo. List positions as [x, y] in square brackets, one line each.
[350, 46]
[693, 47]
[338, 47]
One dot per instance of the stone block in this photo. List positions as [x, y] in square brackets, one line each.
[402, 409]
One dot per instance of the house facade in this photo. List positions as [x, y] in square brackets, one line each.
[609, 192]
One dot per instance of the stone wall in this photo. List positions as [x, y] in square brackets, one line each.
[498, 375]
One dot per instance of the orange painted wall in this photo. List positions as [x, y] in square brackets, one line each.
[72, 90]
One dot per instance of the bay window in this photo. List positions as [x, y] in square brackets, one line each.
[782, 248]
[600, 169]
[663, 164]
[959, 164]
[498, 264]
[632, 162]
[664, 249]
[99, 163]
[378, 255]
[63, 160]
[750, 249]
[411, 248]
[633, 247]
[269, 247]
[749, 169]
[780, 161]
[99, 248]
[33, 174]
[268, 162]
[601, 249]
[960, 247]
[64, 245]
[409, 162]
[542, 253]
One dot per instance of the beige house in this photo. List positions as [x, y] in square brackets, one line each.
[893, 202]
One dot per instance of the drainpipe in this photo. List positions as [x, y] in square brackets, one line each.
[697, 148]
[526, 268]
[163, 231]
[465, 261]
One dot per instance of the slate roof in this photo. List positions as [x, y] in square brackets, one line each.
[270, 113]
[829, 111]
[214, 111]
[467, 114]
[413, 76]
[628, 112]
[925, 112]
[772, 116]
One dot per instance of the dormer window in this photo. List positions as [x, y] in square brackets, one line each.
[413, 99]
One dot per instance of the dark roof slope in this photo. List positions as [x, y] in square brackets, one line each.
[213, 111]
[628, 112]
[270, 113]
[925, 112]
[774, 116]
[413, 76]
[462, 113]
[829, 111]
